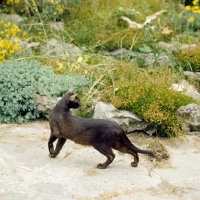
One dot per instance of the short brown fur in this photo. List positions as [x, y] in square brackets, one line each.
[103, 135]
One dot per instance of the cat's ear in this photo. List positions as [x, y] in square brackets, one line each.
[73, 98]
[70, 91]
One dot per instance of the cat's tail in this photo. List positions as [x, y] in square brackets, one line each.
[133, 147]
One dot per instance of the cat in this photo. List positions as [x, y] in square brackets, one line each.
[103, 135]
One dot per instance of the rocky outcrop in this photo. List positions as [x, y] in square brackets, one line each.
[54, 48]
[189, 117]
[174, 46]
[186, 89]
[13, 18]
[192, 75]
[127, 120]
[44, 105]
[57, 26]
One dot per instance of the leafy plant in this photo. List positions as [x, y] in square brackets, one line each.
[19, 81]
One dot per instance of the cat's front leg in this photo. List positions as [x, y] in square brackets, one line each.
[59, 145]
[50, 144]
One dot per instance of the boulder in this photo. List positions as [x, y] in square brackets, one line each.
[192, 75]
[174, 46]
[44, 105]
[13, 18]
[189, 117]
[57, 26]
[187, 89]
[54, 48]
[127, 120]
[150, 59]
[26, 48]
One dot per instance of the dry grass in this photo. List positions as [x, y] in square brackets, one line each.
[159, 149]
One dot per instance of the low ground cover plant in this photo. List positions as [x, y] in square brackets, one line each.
[19, 81]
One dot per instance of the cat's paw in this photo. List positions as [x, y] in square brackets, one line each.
[100, 166]
[51, 150]
[52, 155]
[133, 164]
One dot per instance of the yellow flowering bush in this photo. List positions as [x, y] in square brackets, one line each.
[49, 9]
[190, 17]
[10, 6]
[8, 33]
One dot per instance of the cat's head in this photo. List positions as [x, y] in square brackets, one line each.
[72, 99]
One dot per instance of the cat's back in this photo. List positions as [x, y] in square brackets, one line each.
[98, 124]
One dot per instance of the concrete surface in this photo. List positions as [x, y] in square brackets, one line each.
[27, 173]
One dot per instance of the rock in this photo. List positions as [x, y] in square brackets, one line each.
[192, 75]
[73, 50]
[14, 19]
[127, 120]
[161, 60]
[26, 48]
[187, 89]
[118, 52]
[189, 117]
[54, 48]
[44, 105]
[58, 26]
[175, 46]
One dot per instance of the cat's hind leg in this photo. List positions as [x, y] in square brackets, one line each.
[124, 149]
[136, 158]
[106, 151]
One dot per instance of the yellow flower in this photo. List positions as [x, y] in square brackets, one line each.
[191, 19]
[195, 2]
[24, 34]
[187, 7]
[11, 51]
[194, 9]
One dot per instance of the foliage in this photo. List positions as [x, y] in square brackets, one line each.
[9, 34]
[98, 24]
[188, 59]
[19, 81]
[148, 94]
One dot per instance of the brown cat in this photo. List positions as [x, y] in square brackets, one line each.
[103, 135]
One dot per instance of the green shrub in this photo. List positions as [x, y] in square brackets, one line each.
[19, 81]
[188, 59]
[149, 96]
